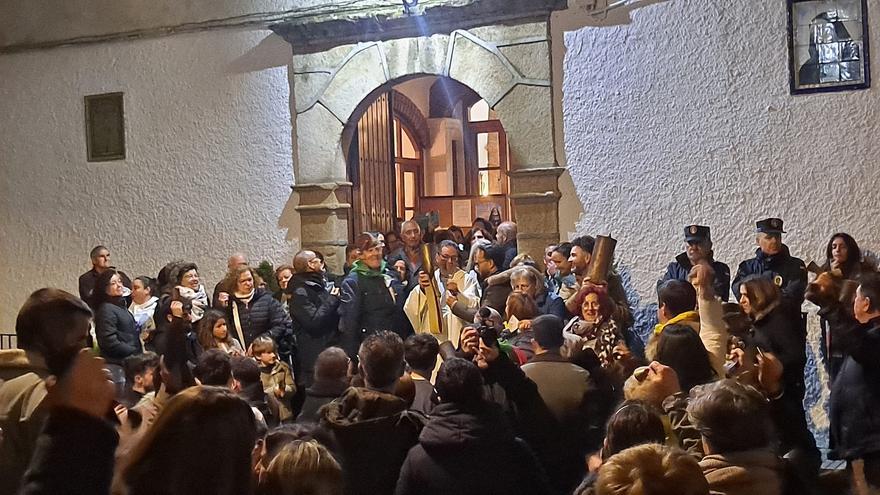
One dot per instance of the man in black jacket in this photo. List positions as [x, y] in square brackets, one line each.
[488, 261]
[313, 310]
[774, 261]
[698, 250]
[468, 447]
[855, 393]
[100, 257]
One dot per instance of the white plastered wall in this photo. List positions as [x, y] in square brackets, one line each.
[684, 116]
[208, 168]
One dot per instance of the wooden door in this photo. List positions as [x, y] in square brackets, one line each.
[374, 187]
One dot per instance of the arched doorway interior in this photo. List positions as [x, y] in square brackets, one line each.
[428, 146]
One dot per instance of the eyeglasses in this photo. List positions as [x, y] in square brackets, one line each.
[448, 258]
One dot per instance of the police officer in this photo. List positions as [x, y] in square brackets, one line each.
[773, 260]
[698, 250]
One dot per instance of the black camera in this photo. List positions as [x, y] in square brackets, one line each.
[488, 334]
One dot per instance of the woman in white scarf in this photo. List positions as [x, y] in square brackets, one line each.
[143, 305]
[191, 289]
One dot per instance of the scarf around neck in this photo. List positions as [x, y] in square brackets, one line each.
[246, 298]
[686, 316]
[363, 270]
[198, 298]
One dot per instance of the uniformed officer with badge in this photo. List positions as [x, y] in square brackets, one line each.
[773, 260]
[698, 249]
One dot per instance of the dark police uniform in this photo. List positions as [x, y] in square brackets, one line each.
[681, 267]
[786, 271]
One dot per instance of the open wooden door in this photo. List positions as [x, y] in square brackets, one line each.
[373, 187]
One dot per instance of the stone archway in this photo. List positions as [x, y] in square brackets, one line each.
[508, 65]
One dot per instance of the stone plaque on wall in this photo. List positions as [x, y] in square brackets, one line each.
[105, 127]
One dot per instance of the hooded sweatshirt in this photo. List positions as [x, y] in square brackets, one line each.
[373, 431]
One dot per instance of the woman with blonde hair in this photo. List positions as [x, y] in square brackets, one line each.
[303, 467]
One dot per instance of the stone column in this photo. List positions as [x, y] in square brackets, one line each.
[534, 193]
[325, 210]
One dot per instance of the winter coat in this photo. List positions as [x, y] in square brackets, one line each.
[369, 304]
[510, 252]
[87, 285]
[373, 431]
[263, 315]
[22, 391]
[117, 333]
[319, 394]
[681, 268]
[750, 472]
[274, 377]
[426, 397]
[563, 386]
[470, 450]
[493, 293]
[313, 311]
[788, 272]
[779, 331]
[855, 394]
[571, 395]
[551, 304]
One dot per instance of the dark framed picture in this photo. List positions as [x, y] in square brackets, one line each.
[105, 127]
[828, 45]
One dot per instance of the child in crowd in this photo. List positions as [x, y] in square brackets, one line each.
[421, 352]
[276, 376]
[213, 334]
[140, 370]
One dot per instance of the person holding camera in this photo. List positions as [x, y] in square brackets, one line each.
[507, 384]
[314, 312]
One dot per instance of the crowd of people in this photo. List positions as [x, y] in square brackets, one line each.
[440, 362]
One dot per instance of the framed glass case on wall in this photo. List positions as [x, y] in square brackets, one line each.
[828, 45]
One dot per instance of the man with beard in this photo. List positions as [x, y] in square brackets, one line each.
[51, 328]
